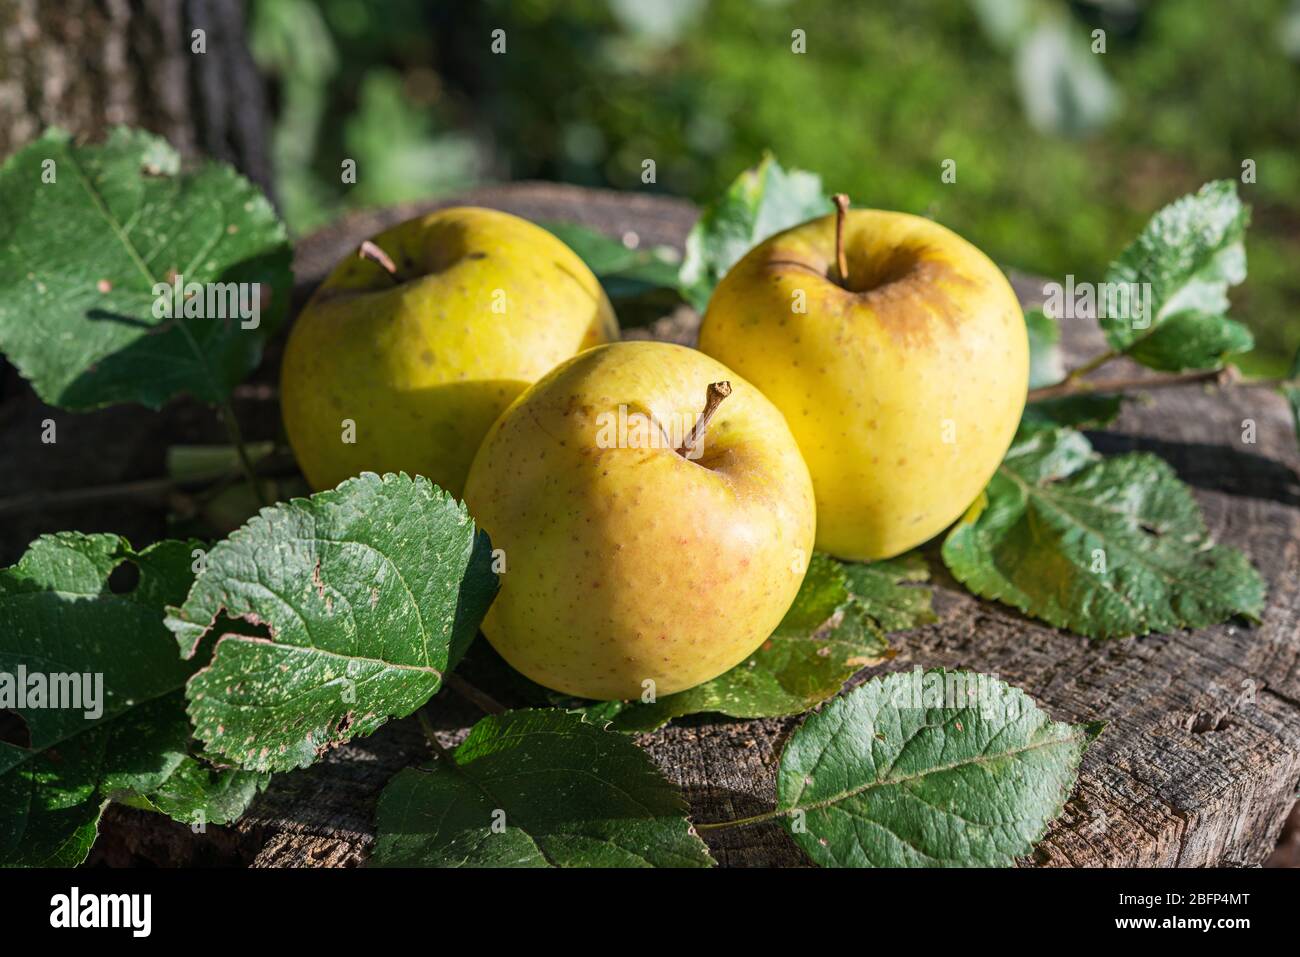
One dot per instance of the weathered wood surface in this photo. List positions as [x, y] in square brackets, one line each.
[1199, 764]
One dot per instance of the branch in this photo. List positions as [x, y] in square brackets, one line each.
[480, 699]
[227, 412]
[1072, 385]
[149, 489]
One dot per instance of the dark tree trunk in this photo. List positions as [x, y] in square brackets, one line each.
[87, 65]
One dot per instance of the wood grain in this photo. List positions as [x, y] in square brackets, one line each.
[1199, 764]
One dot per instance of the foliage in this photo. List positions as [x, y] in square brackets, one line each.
[148, 226]
[933, 769]
[370, 592]
[323, 617]
[536, 789]
[61, 618]
[1102, 547]
[703, 87]
[835, 628]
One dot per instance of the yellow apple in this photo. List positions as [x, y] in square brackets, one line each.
[903, 379]
[407, 353]
[630, 566]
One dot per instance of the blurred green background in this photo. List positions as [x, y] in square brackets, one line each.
[1061, 152]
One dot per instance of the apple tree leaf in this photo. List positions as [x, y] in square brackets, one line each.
[89, 231]
[196, 793]
[536, 788]
[61, 619]
[826, 637]
[1104, 547]
[624, 272]
[1192, 340]
[370, 593]
[835, 628]
[1291, 390]
[1046, 363]
[889, 591]
[759, 203]
[933, 769]
[1073, 411]
[1188, 256]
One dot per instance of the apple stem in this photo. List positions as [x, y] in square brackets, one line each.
[369, 250]
[716, 393]
[841, 201]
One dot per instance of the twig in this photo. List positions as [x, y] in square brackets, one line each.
[480, 699]
[71, 498]
[743, 821]
[1093, 364]
[1227, 376]
[431, 736]
[237, 440]
[138, 489]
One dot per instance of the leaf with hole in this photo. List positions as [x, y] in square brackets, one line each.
[933, 769]
[537, 788]
[368, 593]
[117, 729]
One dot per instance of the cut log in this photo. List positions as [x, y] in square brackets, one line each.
[1199, 763]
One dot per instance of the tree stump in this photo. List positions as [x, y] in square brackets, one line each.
[1200, 760]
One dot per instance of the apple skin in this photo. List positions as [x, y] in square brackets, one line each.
[626, 564]
[424, 366]
[903, 390]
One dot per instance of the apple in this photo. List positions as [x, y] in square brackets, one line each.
[408, 352]
[655, 519]
[899, 355]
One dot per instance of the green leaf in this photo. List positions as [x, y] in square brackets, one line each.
[1046, 366]
[835, 628]
[825, 638]
[539, 788]
[1192, 340]
[1103, 547]
[759, 203]
[80, 257]
[1291, 389]
[1074, 411]
[1188, 255]
[370, 592]
[59, 616]
[622, 271]
[941, 769]
[887, 591]
[195, 793]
